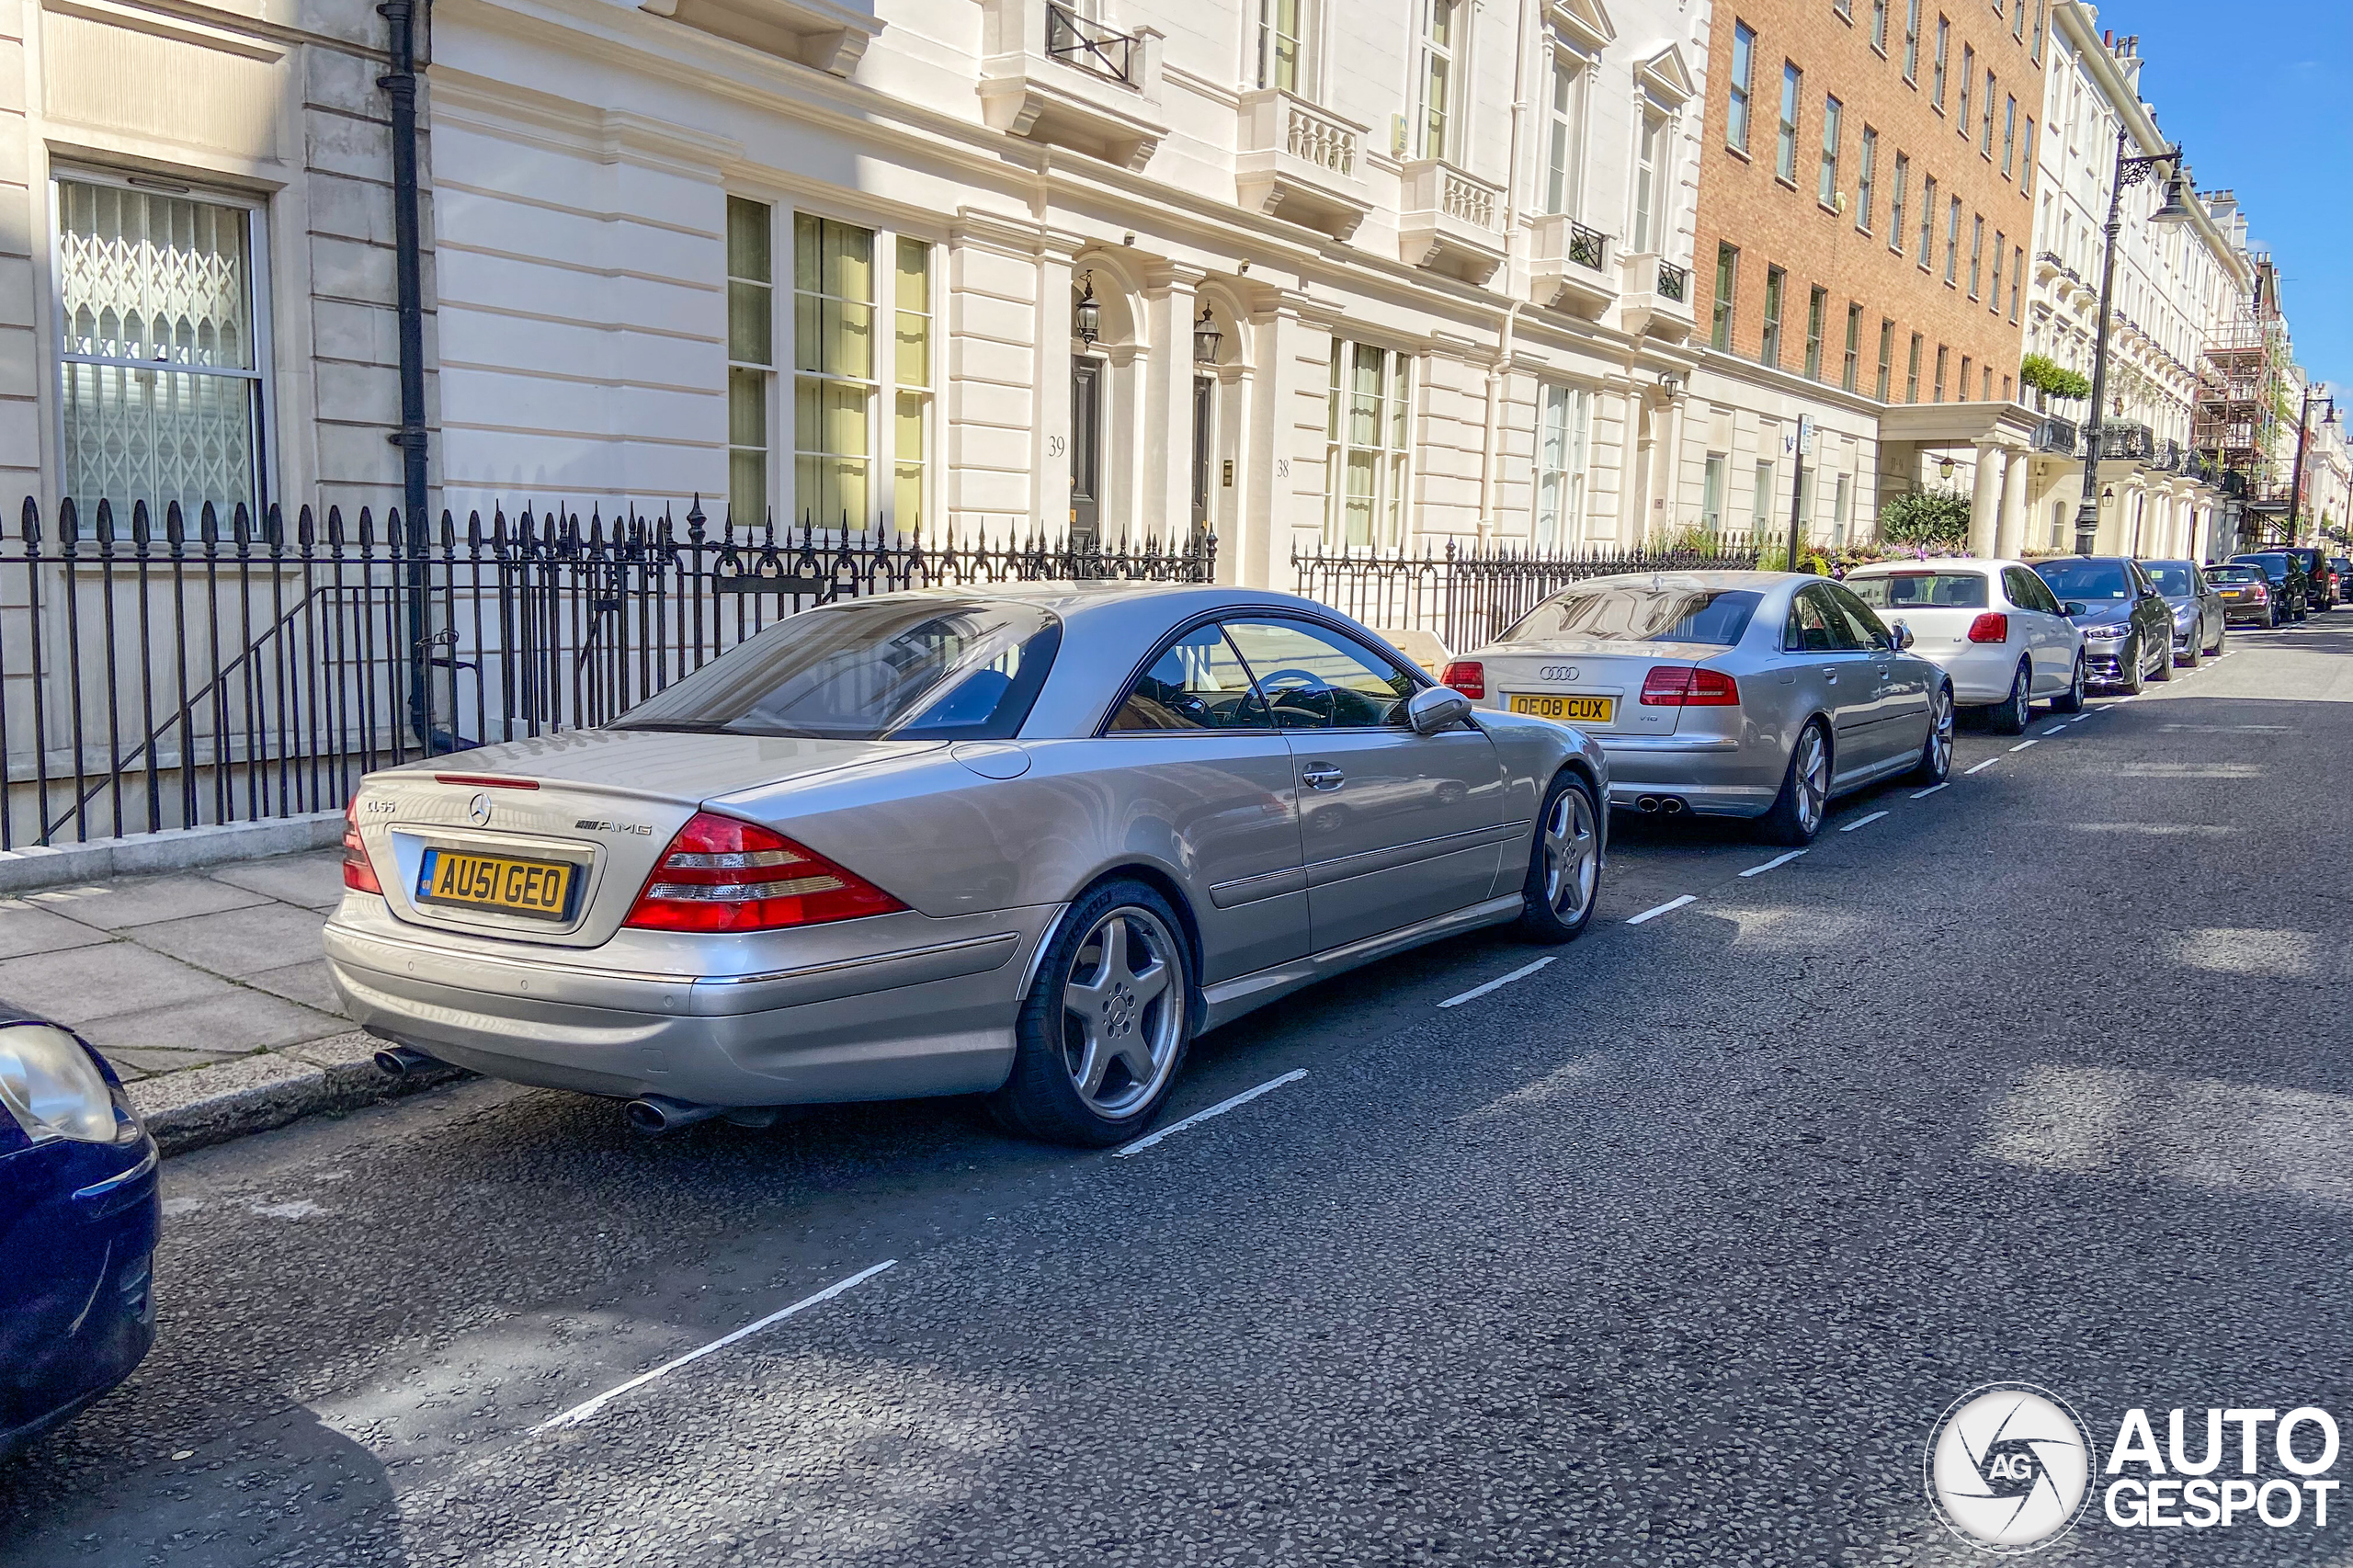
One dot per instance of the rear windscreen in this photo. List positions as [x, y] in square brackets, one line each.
[2172, 578]
[2234, 574]
[2089, 581]
[1632, 612]
[878, 669]
[1921, 590]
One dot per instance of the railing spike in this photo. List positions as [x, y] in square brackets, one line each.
[366, 530]
[139, 526]
[306, 532]
[334, 527]
[174, 526]
[105, 524]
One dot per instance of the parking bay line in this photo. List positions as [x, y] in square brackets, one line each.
[587, 1408]
[1777, 861]
[1981, 767]
[1653, 913]
[1863, 822]
[1245, 1097]
[2023, 745]
[1495, 984]
[1924, 794]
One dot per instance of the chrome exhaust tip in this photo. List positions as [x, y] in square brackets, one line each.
[1648, 804]
[402, 1062]
[651, 1116]
[1672, 805]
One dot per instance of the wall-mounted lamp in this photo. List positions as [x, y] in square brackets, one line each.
[1086, 316]
[1944, 467]
[1670, 383]
[1206, 338]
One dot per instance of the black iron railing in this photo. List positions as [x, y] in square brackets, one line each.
[1674, 282]
[1587, 247]
[164, 672]
[2052, 433]
[1089, 45]
[1469, 596]
[2123, 438]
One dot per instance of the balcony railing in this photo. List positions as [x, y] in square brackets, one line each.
[2123, 439]
[1587, 247]
[1318, 138]
[2056, 435]
[1089, 45]
[1674, 282]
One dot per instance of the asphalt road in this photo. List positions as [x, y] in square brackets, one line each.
[1669, 1251]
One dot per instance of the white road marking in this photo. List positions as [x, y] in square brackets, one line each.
[1497, 985]
[587, 1408]
[1924, 794]
[1245, 1097]
[1672, 903]
[2023, 745]
[1863, 822]
[1777, 861]
[1982, 765]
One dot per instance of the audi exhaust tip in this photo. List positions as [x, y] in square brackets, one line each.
[651, 1116]
[402, 1062]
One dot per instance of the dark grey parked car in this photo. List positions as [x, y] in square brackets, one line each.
[2197, 606]
[2128, 628]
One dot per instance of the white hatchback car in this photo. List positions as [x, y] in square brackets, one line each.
[1992, 626]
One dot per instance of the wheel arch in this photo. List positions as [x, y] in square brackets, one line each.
[1159, 880]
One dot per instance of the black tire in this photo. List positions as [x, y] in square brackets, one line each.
[2072, 699]
[1040, 1098]
[2221, 636]
[1798, 812]
[2196, 654]
[2163, 668]
[1936, 752]
[2009, 716]
[2127, 666]
[2272, 622]
[1564, 867]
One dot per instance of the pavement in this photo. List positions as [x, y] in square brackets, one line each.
[1669, 1251]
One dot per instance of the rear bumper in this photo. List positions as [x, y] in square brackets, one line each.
[926, 1009]
[1711, 775]
[1981, 672]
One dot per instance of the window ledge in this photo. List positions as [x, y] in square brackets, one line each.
[1740, 153]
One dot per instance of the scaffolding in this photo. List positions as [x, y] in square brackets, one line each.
[2244, 396]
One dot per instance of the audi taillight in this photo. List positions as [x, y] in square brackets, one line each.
[1991, 627]
[1467, 677]
[722, 874]
[358, 872]
[1688, 685]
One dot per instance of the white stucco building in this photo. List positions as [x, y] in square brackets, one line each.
[2173, 284]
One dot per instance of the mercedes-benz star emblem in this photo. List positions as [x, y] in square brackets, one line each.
[478, 809]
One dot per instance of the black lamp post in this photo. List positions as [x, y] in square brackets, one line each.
[2128, 172]
[2303, 428]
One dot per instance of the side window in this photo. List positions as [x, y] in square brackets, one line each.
[1198, 683]
[1817, 627]
[1869, 630]
[1316, 679]
[2024, 590]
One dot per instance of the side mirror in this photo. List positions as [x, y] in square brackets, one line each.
[1902, 635]
[1436, 707]
[2074, 608]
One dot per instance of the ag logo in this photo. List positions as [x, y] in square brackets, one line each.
[2008, 1467]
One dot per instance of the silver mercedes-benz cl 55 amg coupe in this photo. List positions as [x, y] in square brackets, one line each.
[1023, 841]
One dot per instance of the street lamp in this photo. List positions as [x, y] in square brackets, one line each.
[2303, 427]
[2128, 172]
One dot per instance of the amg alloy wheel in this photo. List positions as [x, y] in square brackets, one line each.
[1564, 864]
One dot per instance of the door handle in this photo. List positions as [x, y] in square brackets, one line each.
[1830, 673]
[1321, 775]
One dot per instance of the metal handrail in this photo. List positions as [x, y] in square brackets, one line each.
[1074, 40]
[1674, 282]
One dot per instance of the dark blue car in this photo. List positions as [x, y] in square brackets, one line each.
[78, 1217]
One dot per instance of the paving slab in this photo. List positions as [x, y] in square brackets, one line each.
[150, 900]
[305, 982]
[82, 985]
[235, 1024]
[147, 1062]
[314, 882]
[204, 1105]
[238, 942]
[30, 930]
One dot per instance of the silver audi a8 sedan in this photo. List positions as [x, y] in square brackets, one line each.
[1021, 841]
[1748, 694]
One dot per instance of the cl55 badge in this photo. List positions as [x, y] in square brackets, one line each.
[592, 825]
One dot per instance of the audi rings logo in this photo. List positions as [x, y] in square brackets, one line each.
[478, 810]
[1558, 672]
[2008, 1467]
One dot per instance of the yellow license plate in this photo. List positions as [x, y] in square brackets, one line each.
[1570, 710]
[540, 889]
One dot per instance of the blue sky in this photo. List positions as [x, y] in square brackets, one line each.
[2260, 96]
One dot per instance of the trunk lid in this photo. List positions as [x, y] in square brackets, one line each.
[569, 824]
[1561, 669]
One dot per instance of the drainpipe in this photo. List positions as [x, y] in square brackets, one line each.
[1507, 330]
[400, 82]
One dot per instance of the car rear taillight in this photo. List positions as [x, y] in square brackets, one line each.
[2260, 592]
[1685, 685]
[1467, 677]
[721, 874]
[1991, 627]
[358, 872]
